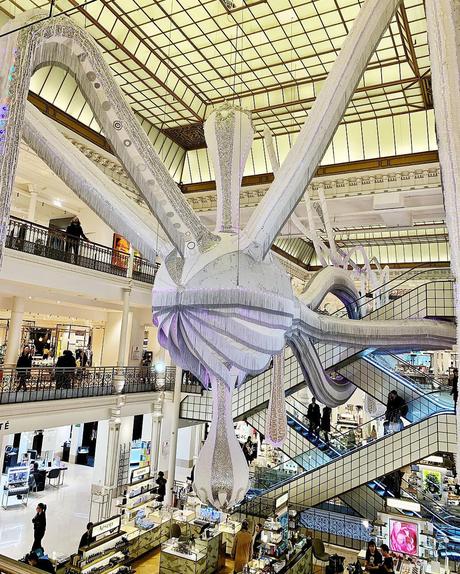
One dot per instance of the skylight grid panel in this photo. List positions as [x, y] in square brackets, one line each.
[139, 17]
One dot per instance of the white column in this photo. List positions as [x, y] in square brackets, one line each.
[75, 441]
[140, 318]
[121, 362]
[174, 433]
[14, 332]
[197, 442]
[32, 205]
[157, 418]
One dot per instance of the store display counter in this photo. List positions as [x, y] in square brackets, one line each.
[229, 530]
[203, 556]
[143, 540]
[299, 562]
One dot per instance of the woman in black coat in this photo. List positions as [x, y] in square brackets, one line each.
[39, 522]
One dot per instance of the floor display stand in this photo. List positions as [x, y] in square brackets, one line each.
[16, 489]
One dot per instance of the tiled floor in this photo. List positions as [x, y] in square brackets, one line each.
[67, 515]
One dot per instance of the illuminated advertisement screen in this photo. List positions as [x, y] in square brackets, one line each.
[403, 537]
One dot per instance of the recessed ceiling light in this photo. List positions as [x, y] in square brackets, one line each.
[57, 203]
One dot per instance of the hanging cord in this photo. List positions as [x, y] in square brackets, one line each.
[240, 141]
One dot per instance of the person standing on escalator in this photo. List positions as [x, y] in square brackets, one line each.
[326, 423]
[454, 391]
[396, 408]
[314, 417]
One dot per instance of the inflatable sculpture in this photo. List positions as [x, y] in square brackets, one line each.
[223, 306]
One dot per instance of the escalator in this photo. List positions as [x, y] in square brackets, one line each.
[315, 476]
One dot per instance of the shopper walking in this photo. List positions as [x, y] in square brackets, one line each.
[396, 408]
[39, 522]
[313, 417]
[326, 422]
[161, 482]
[23, 366]
[73, 232]
[242, 546]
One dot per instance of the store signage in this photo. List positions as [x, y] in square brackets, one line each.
[106, 526]
[281, 500]
[139, 473]
[4, 425]
[402, 504]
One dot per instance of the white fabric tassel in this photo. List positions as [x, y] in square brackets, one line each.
[276, 423]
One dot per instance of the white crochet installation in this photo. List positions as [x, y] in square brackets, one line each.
[223, 305]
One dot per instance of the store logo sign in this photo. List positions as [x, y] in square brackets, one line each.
[4, 425]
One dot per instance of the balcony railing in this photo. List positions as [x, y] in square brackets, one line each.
[49, 383]
[55, 244]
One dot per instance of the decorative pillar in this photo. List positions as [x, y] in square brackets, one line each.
[157, 417]
[197, 442]
[119, 379]
[31, 210]
[106, 462]
[174, 433]
[13, 347]
[124, 327]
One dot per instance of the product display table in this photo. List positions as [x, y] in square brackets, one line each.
[173, 560]
[229, 530]
[200, 557]
[299, 562]
[141, 540]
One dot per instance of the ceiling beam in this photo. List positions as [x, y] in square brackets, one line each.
[409, 49]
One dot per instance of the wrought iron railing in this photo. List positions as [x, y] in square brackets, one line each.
[53, 243]
[50, 383]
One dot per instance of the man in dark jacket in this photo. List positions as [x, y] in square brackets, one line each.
[74, 231]
[396, 408]
[23, 367]
[41, 563]
[65, 370]
[314, 417]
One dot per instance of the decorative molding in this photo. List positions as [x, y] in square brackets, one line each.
[190, 136]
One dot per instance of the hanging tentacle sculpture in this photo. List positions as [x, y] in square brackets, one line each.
[222, 303]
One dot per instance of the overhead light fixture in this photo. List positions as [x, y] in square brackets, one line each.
[403, 504]
[40, 339]
[57, 203]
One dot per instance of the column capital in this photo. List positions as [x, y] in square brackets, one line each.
[157, 406]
